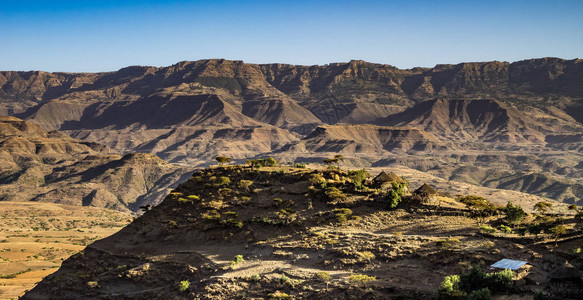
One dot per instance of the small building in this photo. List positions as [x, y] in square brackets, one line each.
[384, 180]
[509, 264]
[426, 193]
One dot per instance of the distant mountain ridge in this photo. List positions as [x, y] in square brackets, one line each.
[192, 111]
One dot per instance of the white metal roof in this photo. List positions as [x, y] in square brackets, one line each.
[509, 264]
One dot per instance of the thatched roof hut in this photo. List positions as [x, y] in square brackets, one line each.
[385, 180]
[391, 177]
[425, 190]
[565, 272]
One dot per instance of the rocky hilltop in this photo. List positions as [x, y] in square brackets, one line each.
[52, 167]
[241, 232]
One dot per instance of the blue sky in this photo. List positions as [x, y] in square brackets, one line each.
[90, 36]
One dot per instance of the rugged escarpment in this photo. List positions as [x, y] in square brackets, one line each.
[366, 139]
[471, 120]
[190, 112]
[280, 233]
[50, 166]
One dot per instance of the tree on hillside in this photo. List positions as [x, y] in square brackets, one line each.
[339, 158]
[514, 213]
[543, 207]
[557, 231]
[578, 210]
[223, 160]
[479, 206]
[330, 161]
[395, 195]
[335, 160]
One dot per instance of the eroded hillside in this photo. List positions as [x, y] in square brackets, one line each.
[436, 120]
[242, 232]
[52, 167]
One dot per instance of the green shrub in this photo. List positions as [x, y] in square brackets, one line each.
[476, 279]
[224, 180]
[501, 281]
[450, 286]
[245, 184]
[504, 228]
[278, 296]
[365, 256]
[237, 260]
[334, 194]
[263, 162]
[183, 285]
[358, 177]
[342, 215]
[535, 229]
[395, 195]
[233, 223]
[324, 276]
[193, 197]
[448, 243]
[514, 213]
[360, 279]
[184, 200]
[211, 215]
[300, 166]
[483, 294]
[287, 216]
[487, 228]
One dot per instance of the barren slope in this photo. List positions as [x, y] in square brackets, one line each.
[52, 167]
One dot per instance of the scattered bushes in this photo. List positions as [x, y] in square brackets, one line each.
[317, 180]
[475, 282]
[262, 162]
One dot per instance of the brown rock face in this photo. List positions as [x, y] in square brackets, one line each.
[190, 112]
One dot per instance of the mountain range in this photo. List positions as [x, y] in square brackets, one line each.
[467, 121]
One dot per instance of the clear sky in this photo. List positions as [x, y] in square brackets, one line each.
[90, 36]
